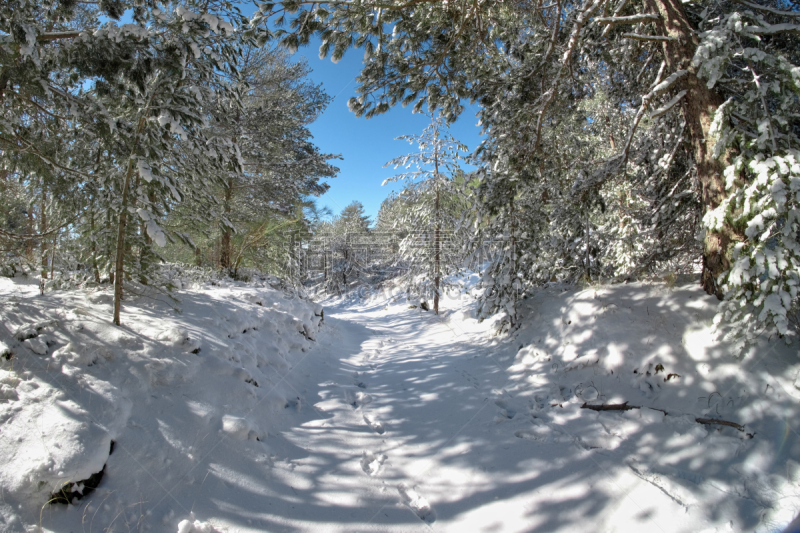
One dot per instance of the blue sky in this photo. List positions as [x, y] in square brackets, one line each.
[366, 144]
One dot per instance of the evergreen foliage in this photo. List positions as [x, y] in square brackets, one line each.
[108, 129]
[609, 127]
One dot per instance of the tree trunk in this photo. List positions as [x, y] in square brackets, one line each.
[225, 244]
[95, 268]
[513, 269]
[437, 247]
[29, 243]
[146, 252]
[53, 256]
[120, 258]
[699, 107]
[43, 230]
[344, 270]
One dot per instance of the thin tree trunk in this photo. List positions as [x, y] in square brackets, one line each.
[437, 236]
[699, 107]
[120, 258]
[92, 213]
[145, 252]
[119, 266]
[95, 267]
[53, 256]
[513, 256]
[225, 244]
[43, 230]
[31, 230]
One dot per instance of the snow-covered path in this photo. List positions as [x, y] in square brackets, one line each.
[417, 432]
[237, 414]
[402, 407]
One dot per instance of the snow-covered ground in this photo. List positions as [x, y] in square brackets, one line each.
[240, 414]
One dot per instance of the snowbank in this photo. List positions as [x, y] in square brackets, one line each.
[635, 373]
[137, 406]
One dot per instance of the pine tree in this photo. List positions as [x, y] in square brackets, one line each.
[119, 106]
[343, 243]
[281, 166]
[431, 218]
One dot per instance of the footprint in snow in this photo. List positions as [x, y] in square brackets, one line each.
[371, 463]
[374, 425]
[506, 411]
[543, 433]
[416, 503]
[537, 433]
[357, 399]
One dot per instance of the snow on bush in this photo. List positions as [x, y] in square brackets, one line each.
[762, 284]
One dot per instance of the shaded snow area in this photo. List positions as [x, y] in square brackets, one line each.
[244, 413]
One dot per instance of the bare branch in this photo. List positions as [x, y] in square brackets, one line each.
[638, 37]
[56, 36]
[669, 105]
[632, 19]
[774, 29]
[769, 9]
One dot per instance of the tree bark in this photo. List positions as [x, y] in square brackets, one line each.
[120, 258]
[95, 268]
[436, 240]
[699, 107]
[53, 256]
[146, 252]
[437, 247]
[31, 230]
[225, 242]
[43, 230]
[344, 270]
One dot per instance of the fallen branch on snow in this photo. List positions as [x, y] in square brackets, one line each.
[718, 422]
[610, 407]
[626, 407]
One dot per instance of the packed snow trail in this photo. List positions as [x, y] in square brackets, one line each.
[464, 434]
[422, 410]
[229, 416]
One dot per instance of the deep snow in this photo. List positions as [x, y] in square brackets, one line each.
[241, 413]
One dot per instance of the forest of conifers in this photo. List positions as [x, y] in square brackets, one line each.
[623, 139]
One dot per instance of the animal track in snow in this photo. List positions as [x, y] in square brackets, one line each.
[470, 378]
[416, 503]
[371, 463]
[374, 425]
